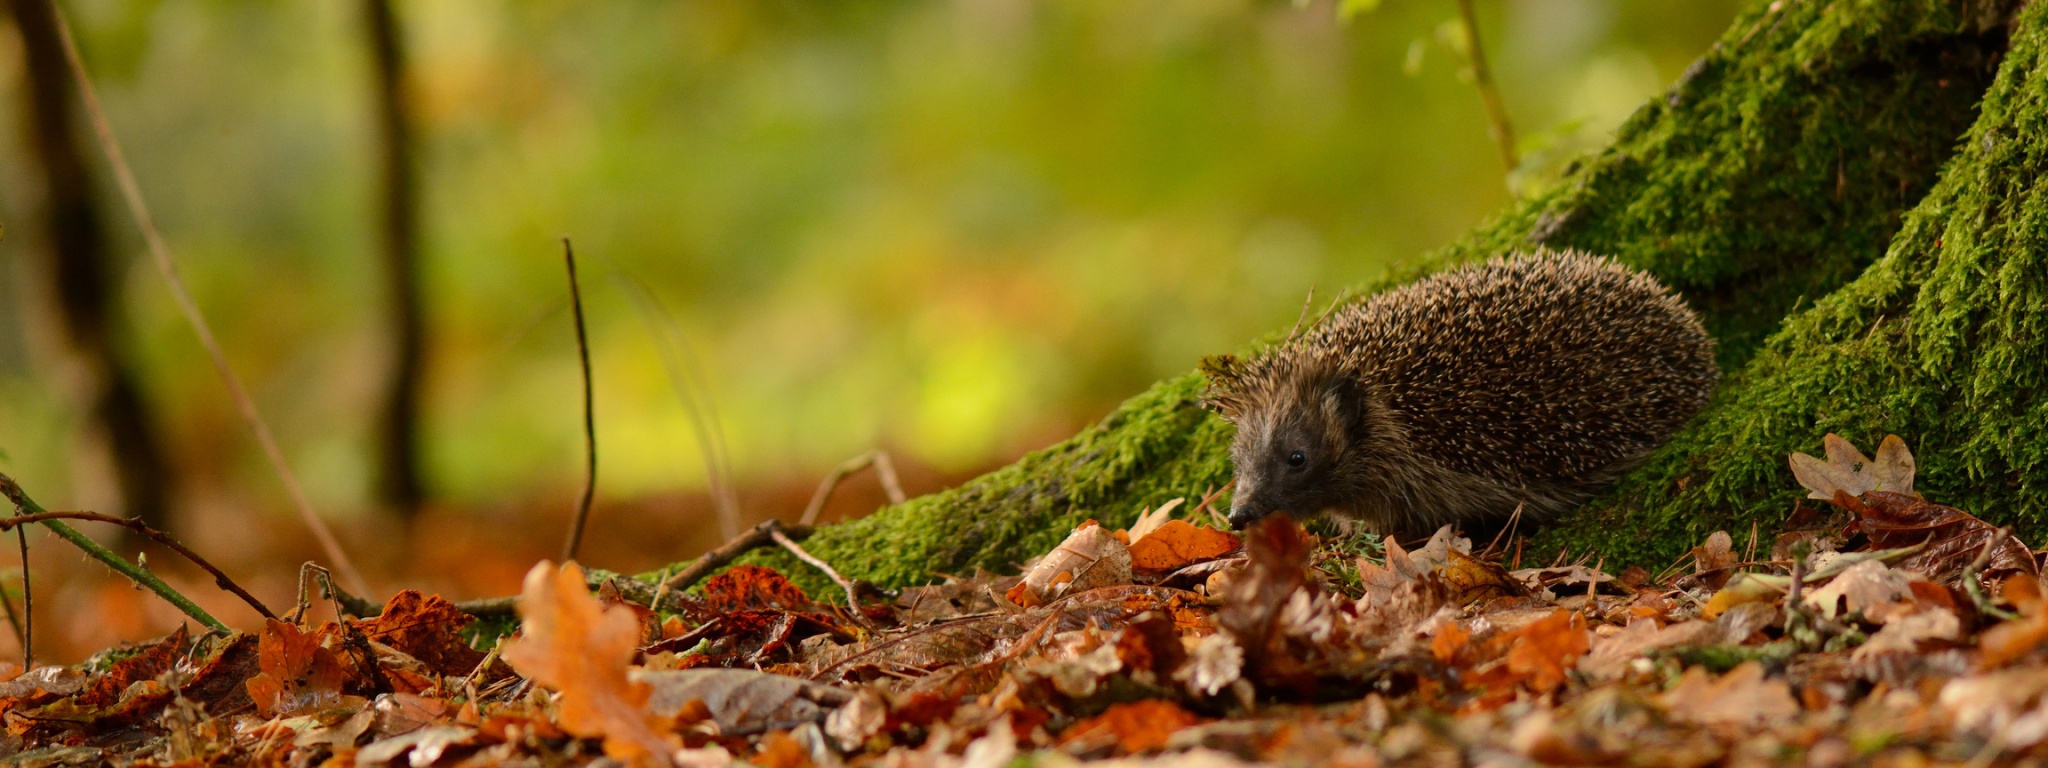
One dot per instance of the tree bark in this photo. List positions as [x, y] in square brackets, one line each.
[399, 485]
[1777, 170]
[83, 275]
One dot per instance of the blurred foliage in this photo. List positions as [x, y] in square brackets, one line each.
[958, 229]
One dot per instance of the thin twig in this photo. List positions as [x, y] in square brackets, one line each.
[159, 252]
[152, 534]
[885, 470]
[754, 537]
[25, 506]
[26, 627]
[852, 602]
[589, 415]
[1305, 304]
[1496, 111]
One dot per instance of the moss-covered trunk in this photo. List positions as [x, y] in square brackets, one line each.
[1775, 172]
[1943, 341]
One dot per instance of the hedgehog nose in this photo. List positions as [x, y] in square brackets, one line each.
[1241, 516]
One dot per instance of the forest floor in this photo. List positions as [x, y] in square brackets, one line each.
[1879, 628]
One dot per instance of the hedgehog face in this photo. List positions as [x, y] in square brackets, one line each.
[1290, 447]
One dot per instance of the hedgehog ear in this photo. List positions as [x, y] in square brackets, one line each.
[1344, 402]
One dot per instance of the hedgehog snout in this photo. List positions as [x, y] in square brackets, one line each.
[1242, 516]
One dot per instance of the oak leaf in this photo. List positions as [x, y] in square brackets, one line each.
[1847, 469]
[575, 645]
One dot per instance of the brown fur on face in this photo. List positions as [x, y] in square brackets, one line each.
[1525, 382]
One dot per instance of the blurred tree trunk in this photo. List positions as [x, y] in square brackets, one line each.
[399, 486]
[83, 277]
[1775, 172]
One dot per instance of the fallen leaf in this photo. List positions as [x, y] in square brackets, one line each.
[298, 674]
[1547, 647]
[1848, 470]
[1089, 558]
[1953, 538]
[1743, 697]
[1136, 727]
[1150, 520]
[425, 627]
[742, 701]
[2018, 637]
[107, 687]
[1178, 543]
[576, 646]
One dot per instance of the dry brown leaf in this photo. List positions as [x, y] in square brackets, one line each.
[1847, 469]
[1869, 588]
[1088, 559]
[1743, 697]
[743, 701]
[575, 645]
[1150, 520]
[1953, 538]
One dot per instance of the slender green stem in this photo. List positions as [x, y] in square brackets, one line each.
[1482, 78]
[141, 576]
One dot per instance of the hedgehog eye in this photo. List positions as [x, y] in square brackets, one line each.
[1296, 459]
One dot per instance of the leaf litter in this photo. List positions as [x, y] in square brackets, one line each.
[1913, 633]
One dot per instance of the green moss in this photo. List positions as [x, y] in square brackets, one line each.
[1941, 342]
[1777, 170]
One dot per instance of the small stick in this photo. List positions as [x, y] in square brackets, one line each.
[25, 506]
[131, 191]
[589, 416]
[713, 560]
[25, 628]
[1974, 585]
[1489, 95]
[851, 601]
[885, 470]
[152, 534]
[1514, 521]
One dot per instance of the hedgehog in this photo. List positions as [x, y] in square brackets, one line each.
[1521, 385]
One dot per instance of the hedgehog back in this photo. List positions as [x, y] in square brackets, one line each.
[1550, 368]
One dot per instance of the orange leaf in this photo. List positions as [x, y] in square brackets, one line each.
[1177, 543]
[1137, 726]
[1547, 647]
[577, 646]
[2016, 638]
[297, 673]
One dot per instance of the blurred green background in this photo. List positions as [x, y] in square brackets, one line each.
[957, 229]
